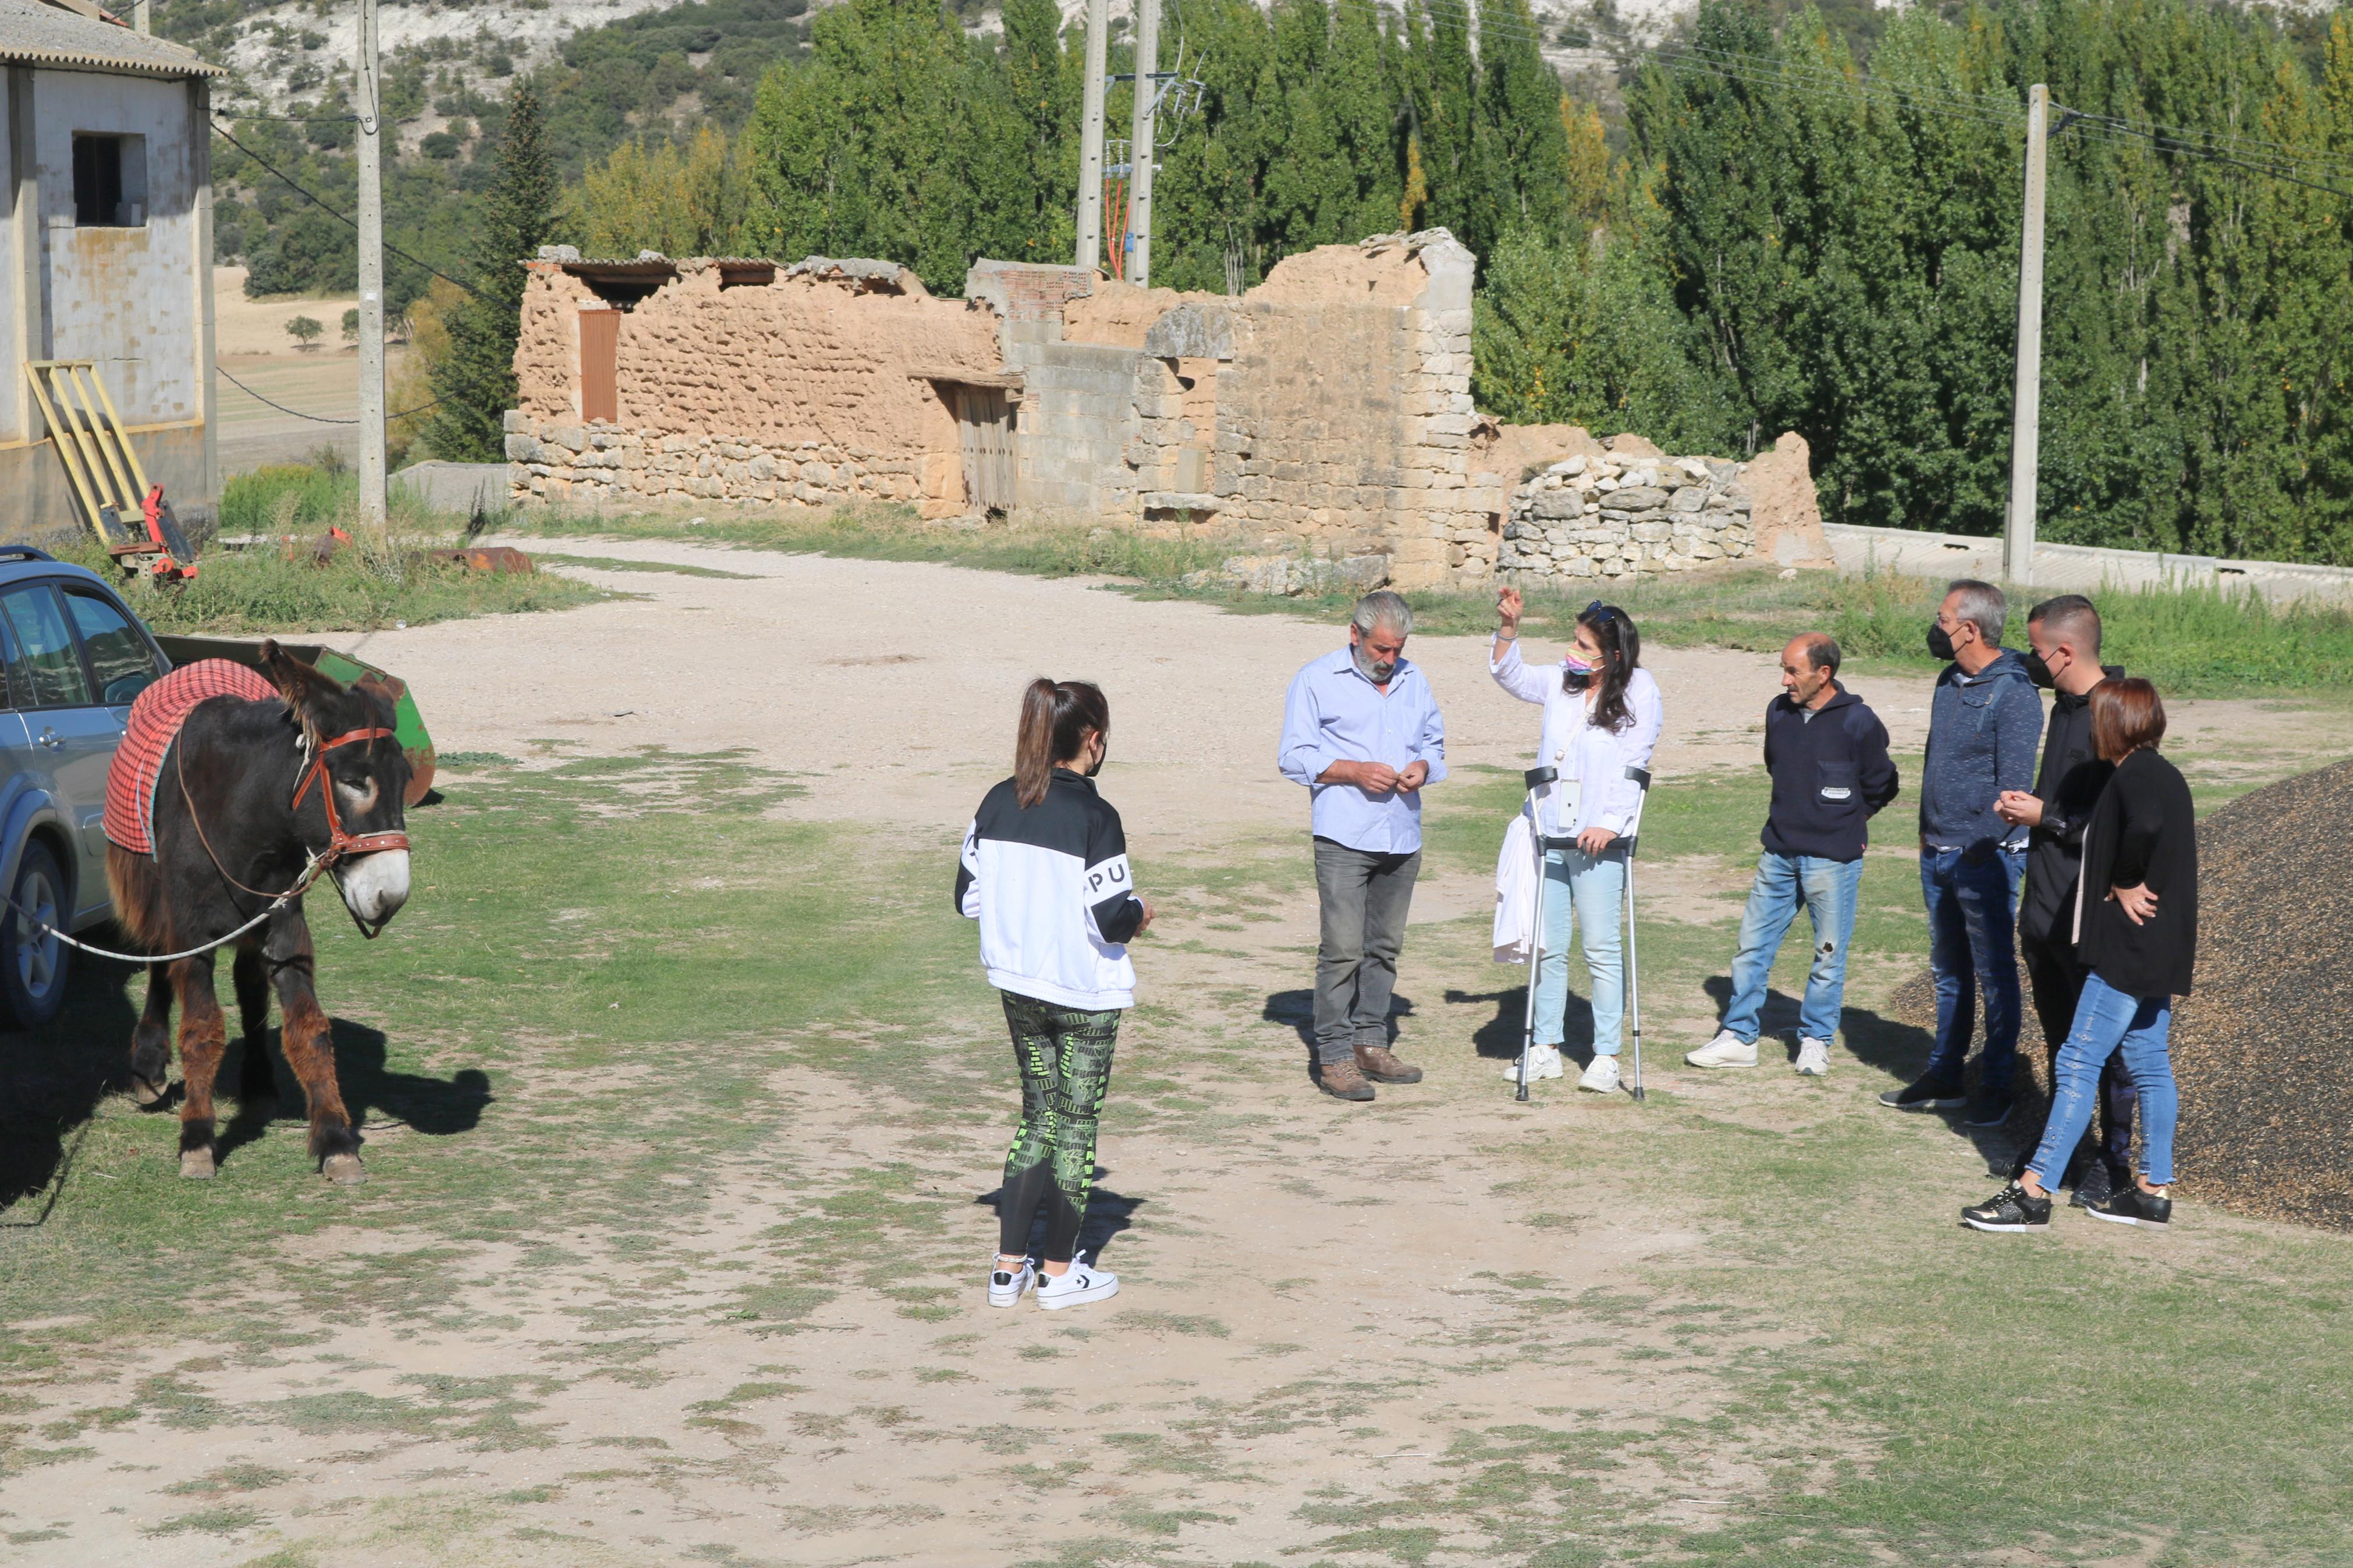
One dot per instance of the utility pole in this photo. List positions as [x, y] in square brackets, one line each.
[1091, 139]
[1138, 271]
[2026, 424]
[371, 226]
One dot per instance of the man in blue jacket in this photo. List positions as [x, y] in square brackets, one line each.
[1827, 754]
[1985, 723]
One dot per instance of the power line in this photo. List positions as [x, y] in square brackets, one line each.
[348, 222]
[314, 419]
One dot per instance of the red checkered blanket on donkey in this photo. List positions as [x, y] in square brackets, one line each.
[155, 721]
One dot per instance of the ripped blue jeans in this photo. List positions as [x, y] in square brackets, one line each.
[1827, 888]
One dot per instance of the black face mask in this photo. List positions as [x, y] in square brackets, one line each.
[2039, 672]
[1096, 767]
[1940, 642]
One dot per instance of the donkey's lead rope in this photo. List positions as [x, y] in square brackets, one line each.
[309, 875]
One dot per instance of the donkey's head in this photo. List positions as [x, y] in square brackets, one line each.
[351, 787]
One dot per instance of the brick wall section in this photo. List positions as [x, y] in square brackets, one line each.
[796, 392]
[1343, 422]
[1077, 412]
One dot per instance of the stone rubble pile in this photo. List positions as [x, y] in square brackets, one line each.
[1292, 577]
[1611, 516]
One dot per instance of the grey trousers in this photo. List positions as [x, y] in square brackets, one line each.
[1365, 897]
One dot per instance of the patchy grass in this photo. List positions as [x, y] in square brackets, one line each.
[581, 1020]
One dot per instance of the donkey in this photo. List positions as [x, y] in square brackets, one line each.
[255, 799]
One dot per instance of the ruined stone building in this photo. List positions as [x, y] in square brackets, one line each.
[1324, 416]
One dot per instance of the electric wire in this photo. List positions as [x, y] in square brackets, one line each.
[318, 418]
[223, 132]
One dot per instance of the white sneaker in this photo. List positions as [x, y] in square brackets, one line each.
[1542, 1062]
[1081, 1283]
[1601, 1077]
[1727, 1050]
[1813, 1055]
[1006, 1285]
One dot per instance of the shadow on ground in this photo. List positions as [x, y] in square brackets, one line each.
[53, 1078]
[1108, 1214]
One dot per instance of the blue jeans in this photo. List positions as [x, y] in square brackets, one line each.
[2106, 1021]
[1972, 899]
[1827, 889]
[1594, 886]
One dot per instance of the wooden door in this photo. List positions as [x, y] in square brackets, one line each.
[601, 340]
[985, 428]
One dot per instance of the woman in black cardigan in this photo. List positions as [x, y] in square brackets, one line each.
[2138, 937]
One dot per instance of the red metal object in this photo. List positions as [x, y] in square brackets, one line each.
[493, 558]
[175, 559]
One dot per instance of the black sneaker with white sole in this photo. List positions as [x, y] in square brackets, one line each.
[2012, 1209]
[1928, 1094]
[2093, 1188]
[2130, 1206]
[1987, 1110]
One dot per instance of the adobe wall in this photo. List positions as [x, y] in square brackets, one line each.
[800, 391]
[1344, 421]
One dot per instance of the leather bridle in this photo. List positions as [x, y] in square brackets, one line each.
[340, 843]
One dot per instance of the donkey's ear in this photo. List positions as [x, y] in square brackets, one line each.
[297, 682]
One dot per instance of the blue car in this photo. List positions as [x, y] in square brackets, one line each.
[75, 657]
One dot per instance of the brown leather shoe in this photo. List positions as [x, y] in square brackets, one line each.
[1381, 1065]
[1341, 1080]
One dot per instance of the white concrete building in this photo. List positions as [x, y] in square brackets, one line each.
[107, 238]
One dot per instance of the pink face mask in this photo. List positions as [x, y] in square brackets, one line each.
[1575, 674]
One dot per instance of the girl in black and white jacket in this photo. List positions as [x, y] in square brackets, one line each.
[1045, 872]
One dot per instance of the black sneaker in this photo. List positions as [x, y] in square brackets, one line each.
[2131, 1206]
[2008, 1209]
[1928, 1094]
[2093, 1188]
[1987, 1110]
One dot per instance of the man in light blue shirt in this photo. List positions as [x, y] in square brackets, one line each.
[1361, 730]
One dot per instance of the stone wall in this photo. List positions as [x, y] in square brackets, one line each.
[1077, 411]
[1619, 514]
[745, 382]
[1344, 421]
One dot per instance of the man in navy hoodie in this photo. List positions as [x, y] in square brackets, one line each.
[1984, 725]
[1827, 754]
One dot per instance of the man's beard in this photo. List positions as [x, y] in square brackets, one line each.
[1371, 668]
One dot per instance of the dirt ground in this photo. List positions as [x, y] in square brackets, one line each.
[1264, 1354]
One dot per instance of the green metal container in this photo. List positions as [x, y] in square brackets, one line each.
[408, 725]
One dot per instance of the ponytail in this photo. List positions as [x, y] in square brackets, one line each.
[1055, 717]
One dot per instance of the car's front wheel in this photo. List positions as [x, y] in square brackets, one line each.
[33, 961]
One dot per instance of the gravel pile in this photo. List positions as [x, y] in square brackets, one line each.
[2263, 1050]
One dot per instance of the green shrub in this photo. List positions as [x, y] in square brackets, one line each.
[281, 498]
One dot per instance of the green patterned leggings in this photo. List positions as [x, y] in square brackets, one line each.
[1064, 1055]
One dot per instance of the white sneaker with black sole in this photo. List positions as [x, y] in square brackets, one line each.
[1601, 1077]
[1727, 1050]
[1542, 1062]
[1081, 1283]
[1813, 1057]
[1006, 1285]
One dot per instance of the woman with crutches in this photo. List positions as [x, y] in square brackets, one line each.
[1601, 721]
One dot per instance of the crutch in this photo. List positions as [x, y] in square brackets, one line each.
[1642, 777]
[1535, 779]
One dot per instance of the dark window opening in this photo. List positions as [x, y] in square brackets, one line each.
[110, 181]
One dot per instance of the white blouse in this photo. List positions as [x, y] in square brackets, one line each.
[1592, 760]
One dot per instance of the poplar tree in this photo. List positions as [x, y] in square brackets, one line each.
[475, 381]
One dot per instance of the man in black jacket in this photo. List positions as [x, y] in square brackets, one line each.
[1827, 754]
[2064, 634]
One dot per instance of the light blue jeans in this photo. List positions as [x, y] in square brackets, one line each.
[1827, 891]
[1593, 887]
[2107, 1021]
